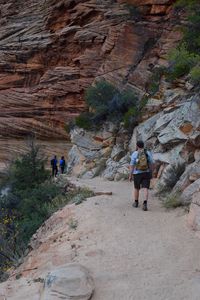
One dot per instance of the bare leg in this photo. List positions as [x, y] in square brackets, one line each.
[146, 194]
[136, 194]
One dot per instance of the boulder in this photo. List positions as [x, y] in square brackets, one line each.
[70, 282]
[83, 139]
[191, 174]
[146, 129]
[75, 161]
[194, 213]
[122, 173]
[186, 196]
[195, 138]
[117, 153]
[163, 121]
[169, 157]
[111, 169]
[184, 122]
[169, 176]
[197, 155]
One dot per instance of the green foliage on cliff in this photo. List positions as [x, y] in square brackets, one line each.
[185, 59]
[29, 170]
[107, 103]
[32, 196]
[24, 207]
[182, 61]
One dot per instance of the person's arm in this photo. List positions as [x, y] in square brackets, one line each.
[132, 166]
[131, 169]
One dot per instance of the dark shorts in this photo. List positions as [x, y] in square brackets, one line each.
[142, 180]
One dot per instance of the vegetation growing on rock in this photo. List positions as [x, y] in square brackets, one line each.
[185, 59]
[32, 196]
[107, 103]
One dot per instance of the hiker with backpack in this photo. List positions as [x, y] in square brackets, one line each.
[54, 166]
[62, 164]
[141, 167]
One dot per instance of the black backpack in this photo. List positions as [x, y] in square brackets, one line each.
[52, 162]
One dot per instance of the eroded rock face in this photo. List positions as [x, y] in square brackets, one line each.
[51, 51]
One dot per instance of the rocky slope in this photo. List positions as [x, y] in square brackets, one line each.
[51, 51]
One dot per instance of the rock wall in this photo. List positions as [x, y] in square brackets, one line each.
[172, 134]
[51, 51]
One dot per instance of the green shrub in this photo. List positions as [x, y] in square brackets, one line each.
[130, 117]
[26, 205]
[68, 126]
[106, 103]
[155, 79]
[195, 74]
[29, 169]
[187, 56]
[99, 95]
[181, 62]
[72, 224]
[84, 121]
[172, 201]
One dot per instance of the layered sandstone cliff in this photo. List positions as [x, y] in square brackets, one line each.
[51, 51]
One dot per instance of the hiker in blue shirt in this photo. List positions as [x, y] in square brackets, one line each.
[141, 168]
[62, 164]
[54, 166]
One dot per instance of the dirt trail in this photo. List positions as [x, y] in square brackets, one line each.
[137, 255]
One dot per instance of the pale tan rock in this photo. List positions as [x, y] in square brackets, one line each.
[186, 196]
[72, 281]
[193, 219]
[158, 9]
[194, 177]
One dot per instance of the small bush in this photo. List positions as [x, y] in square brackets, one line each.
[82, 195]
[181, 62]
[187, 56]
[29, 169]
[153, 87]
[69, 126]
[26, 205]
[99, 95]
[73, 224]
[84, 121]
[195, 75]
[172, 201]
[106, 103]
[130, 117]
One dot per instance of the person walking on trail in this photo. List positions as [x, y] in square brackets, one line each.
[141, 168]
[54, 166]
[62, 164]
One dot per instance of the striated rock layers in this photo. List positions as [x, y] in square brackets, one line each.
[51, 51]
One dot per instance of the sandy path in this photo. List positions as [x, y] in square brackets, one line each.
[133, 254]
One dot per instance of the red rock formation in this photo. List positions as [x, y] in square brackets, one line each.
[51, 51]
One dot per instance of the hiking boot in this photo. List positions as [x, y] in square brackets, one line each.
[135, 204]
[145, 206]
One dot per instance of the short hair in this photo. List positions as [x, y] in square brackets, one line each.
[140, 144]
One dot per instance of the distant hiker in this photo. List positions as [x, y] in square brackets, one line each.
[141, 167]
[54, 166]
[62, 164]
